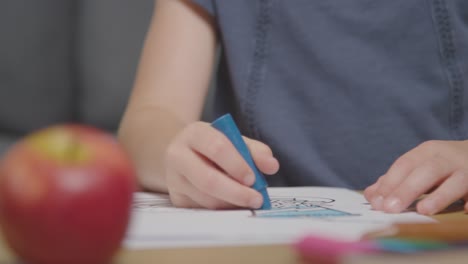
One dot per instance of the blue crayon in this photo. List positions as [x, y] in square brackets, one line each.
[228, 127]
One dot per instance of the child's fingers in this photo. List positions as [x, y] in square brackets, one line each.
[399, 170]
[178, 194]
[258, 147]
[224, 188]
[395, 175]
[452, 189]
[201, 200]
[370, 191]
[262, 156]
[216, 147]
[184, 194]
[182, 200]
[267, 165]
[206, 200]
[207, 179]
[431, 173]
[431, 164]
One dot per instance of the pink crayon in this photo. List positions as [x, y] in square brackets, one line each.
[314, 249]
[318, 250]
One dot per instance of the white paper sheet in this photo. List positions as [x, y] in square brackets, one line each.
[297, 211]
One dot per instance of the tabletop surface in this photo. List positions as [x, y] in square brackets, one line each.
[243, 254]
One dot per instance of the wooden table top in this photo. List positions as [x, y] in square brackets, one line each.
[245, 254]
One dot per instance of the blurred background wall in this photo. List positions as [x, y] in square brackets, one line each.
[67, 61]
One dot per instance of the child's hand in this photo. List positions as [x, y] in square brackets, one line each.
[441, 166]
[204, 169]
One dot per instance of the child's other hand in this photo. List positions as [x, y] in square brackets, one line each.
[441, 166]
[204, 169]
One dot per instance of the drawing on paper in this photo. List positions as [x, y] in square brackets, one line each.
[282, 207]
[298, 202]
[159, 204]
[298, 207]
[151, 203]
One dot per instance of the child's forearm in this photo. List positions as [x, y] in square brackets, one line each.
[146, 133]
[170, 86]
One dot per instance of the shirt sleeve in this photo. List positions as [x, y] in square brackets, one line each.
[207, 5]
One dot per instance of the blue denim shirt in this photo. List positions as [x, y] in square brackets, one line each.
[339, 89]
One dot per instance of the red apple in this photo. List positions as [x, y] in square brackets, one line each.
[65, 196]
